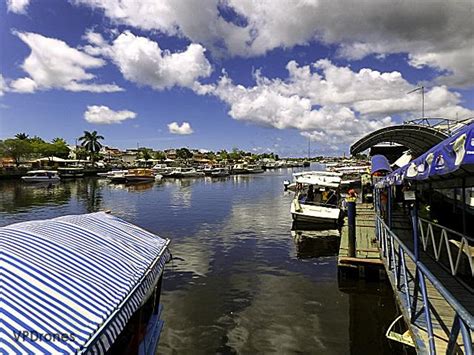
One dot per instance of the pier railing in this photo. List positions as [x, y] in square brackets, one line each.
[438, 240]
[409, 276]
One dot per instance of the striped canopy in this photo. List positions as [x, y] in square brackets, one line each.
[70, 284]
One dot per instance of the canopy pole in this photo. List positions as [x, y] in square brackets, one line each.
[414, 221]
[464, 230]
[389, 206]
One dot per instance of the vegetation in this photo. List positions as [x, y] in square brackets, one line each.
[90, 142]
[22, 148]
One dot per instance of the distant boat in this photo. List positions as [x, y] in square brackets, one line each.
[254, 169]
[41, 176]
[71, 172]
[220, 173]
[117, 176]
[184, 173]
[306, 163]
[240, 169]
[139, 175]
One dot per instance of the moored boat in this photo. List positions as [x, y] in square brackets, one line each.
[220, 173]
[71, 172]
[117, 176]
[115, 290]
[41, 176]
[240, 169]
[139, 175]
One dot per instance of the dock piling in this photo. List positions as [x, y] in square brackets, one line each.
[351, 223]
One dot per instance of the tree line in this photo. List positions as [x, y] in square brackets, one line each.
[23, 147]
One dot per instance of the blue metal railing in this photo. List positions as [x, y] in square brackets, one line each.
[395, 253]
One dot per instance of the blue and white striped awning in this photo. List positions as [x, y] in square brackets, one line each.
[73, 282]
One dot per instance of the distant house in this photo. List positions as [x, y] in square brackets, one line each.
[129, 157]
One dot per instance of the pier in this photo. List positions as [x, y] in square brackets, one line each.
[365, 261]
[430, 266]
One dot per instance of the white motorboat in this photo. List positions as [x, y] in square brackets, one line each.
[254, 169]
[117, 176]
[317, 201]
[41, 176]
[162, 169]
[314, 178]
[240, 169]
[220, 173]
[185, 172]
[139, 175]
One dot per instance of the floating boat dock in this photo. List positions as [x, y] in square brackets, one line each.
[366, 261]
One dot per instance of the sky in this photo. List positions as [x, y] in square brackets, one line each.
[261, 76]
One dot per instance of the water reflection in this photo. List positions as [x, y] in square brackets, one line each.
[239, 283]
[316, 243]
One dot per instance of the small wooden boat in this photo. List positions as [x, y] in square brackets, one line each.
[41, 176]
[139, 175]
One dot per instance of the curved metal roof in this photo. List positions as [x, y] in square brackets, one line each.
[417, 138]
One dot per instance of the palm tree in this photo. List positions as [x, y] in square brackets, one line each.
[22, 136]
[90, 141]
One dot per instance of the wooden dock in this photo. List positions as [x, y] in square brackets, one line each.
[366, 263]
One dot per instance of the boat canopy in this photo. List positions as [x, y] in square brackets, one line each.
[318, 180]
[380, 164]
[444, 165]
[70, 284]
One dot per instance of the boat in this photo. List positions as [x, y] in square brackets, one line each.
[41, 176]
[161, 169]
[254, 169]
[158, 177]
[185, 173]
[92, 269]
[139, 175]
[221, 172]
[117, 176]
[71, 172]
[323, 206]
[306, 164]
[240, 168]
[308, 177]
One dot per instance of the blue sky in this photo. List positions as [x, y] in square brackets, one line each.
[215, 74]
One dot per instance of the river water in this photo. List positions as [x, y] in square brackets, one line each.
[239, 282]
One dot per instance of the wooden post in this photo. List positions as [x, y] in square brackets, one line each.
[351, 223]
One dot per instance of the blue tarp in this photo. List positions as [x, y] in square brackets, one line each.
[443, 159]
[70, 284]
[380, 164]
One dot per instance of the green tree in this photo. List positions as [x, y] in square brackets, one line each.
[160, 155]
[90, 141]
[17, 149]
[21, 136]
[146, 153]
[59, 148]
[235, 155]
[184, 153]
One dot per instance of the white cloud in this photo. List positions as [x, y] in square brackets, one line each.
[52, 64]
[183, 129]
[3, 85]
[17, 6]
[143, 62]
[330, 103]
[433, 33]
[105, 115]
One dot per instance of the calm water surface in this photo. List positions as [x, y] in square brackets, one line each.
[240, 282]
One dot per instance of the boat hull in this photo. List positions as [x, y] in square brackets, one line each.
[139, 178]
[314, 214]
[34, 179]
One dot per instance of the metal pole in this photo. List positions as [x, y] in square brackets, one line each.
[464, 231]
[414, 221]
[389, 207]
[422, 102]
[351, 222]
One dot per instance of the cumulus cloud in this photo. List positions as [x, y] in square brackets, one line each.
[105, 115]
[183, 129]
[143, 62]
[433, 33]
[52, 64]
[331, 103]
[3, 85]
[17, 6]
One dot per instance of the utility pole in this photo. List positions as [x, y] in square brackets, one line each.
[422, 89]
